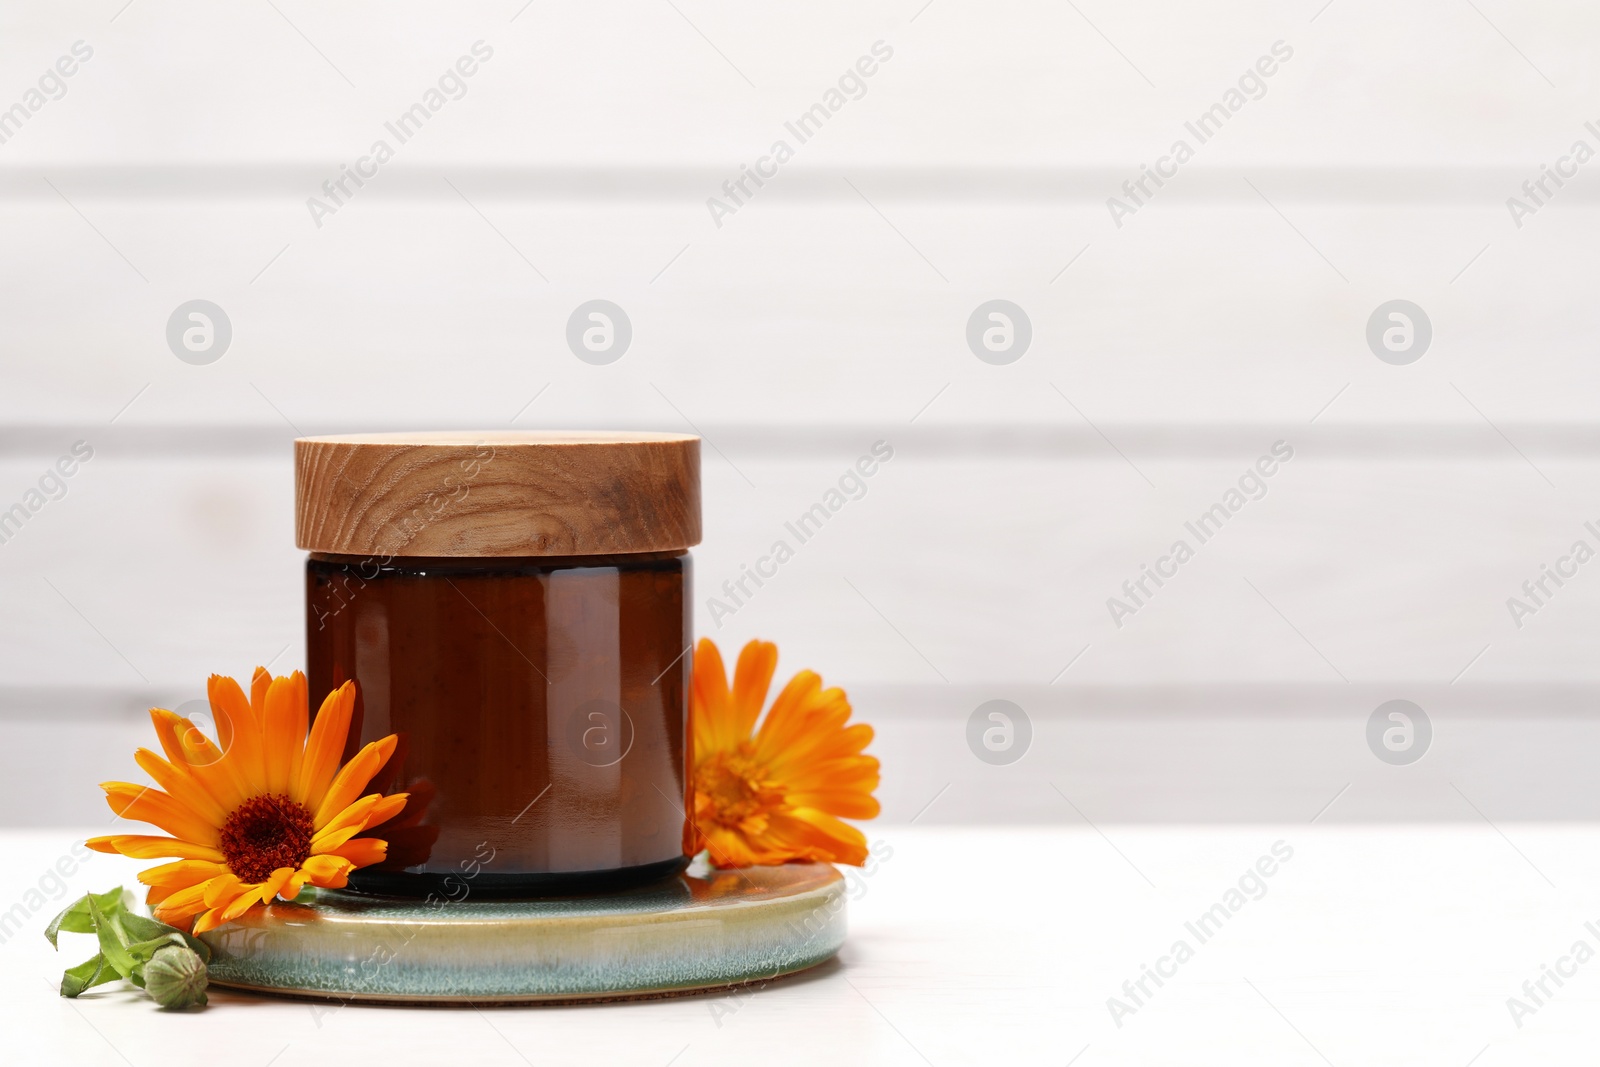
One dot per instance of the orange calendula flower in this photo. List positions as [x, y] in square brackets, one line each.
[775, 794]
[267, 812]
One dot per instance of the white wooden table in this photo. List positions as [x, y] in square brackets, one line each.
[1370, 945]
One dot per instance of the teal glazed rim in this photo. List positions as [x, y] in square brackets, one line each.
[702, 929]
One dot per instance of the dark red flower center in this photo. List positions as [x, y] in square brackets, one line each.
[265, 833]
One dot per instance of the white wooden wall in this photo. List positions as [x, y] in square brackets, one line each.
[829, 312]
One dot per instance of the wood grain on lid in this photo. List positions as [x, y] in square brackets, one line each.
[559, 493]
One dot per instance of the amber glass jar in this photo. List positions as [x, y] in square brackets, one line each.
[516, 608]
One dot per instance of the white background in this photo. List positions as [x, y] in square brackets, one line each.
[827, 313]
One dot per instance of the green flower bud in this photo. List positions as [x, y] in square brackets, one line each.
[176, 978]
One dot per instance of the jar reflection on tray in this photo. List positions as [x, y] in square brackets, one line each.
[540, 697]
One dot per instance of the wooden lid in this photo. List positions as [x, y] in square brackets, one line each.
[562, 493]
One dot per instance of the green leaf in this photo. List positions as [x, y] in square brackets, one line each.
[141, 951]
[129, 943]
[75, 918]
[140, 929]
[113, 941]
[86, 975]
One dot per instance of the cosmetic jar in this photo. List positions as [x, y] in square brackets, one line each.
[516, 609]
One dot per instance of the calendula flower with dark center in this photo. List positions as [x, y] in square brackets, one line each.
[260, 812]
[777, 792]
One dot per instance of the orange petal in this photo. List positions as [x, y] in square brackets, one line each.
[301, 702]
[386, 809]
[751, 679]
[810, 834]
[325, 746]
[797, 736]
[794, 716]
[284, 725]
[787, 835]
[844, 803]
[850, 773]
[170, 728]
[291, 888]
[710, 702]
[362, 851]
[260, 682]
[181, 874]
[350, 781]
[179, 905]
[237, 730]
[728, 847]
[243, 903]
[209, 921]
[346, 824]
[143, 847]
[190, 750]
[255, 894]
[181, 786]
[329, 872]
[146, 804]
[276, 881]
[222, 890]
[851, 740]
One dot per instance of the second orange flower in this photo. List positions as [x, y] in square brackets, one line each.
[775, 793]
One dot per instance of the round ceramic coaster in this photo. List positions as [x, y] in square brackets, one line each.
[700, 930]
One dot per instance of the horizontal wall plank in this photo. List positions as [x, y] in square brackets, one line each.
[797, 315]
[966, 570]
[1015, 81]
[1366, 442]
[1284, 755]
